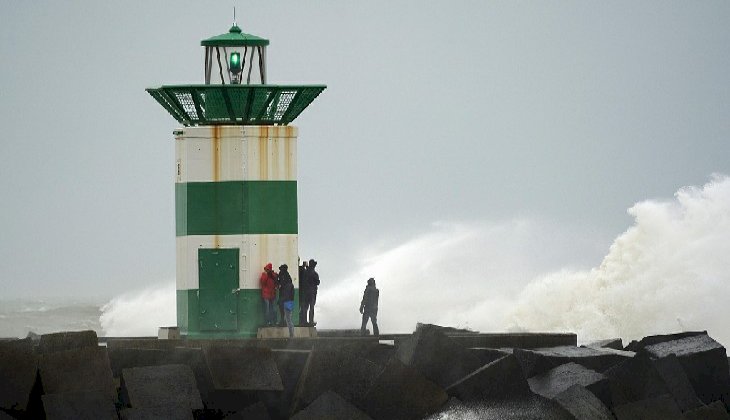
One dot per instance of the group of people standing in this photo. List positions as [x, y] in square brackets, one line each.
[273, 283]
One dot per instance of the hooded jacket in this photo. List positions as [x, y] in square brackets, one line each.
[312, 277]
[370, 297]
[286, 286]
[268, 283]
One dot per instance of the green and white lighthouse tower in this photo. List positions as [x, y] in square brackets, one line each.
[235, 185]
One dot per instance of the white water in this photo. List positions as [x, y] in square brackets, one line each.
[670, 271]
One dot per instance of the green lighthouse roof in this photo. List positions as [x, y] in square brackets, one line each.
[235, 38]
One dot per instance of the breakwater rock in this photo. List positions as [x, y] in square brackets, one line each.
[435, 373]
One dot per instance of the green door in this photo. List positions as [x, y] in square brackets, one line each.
[218, 276]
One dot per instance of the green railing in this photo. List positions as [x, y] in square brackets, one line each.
[235, 104]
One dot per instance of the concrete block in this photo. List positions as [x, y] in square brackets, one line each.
[243, 368]
[537, 361]
[635, 346]
[657, 408]
[704, 361]
[582, 404]
[487, 355]
[714, 411]
[559, 379]
[611, 343]
[283, 332]
[677, 383]
[401, 393]
[122, 358]
[256, 411]
[157, 413]
[330, 406]
[437, 357]
[503, 378]
[67, 340]
[166, 385]
[533, 407]
[643, 378]
[81, 369]
[168, 333]
[18, 368]
[91, 405]
[290, 364]
[328, 369]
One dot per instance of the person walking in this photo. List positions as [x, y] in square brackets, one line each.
[286, 296]
[311, 294]
[267, 282]
[369, 307]
[303, 293]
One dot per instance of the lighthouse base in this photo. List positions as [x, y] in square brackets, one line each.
[283, 332]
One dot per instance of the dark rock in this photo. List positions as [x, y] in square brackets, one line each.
[537, 361]
[704, 361]
[487, 355]
[243, 368]
[326, 369]
[642, 378]
[69, 340]
[157, 413]
[18, 368]
[80, 369]
[437, 357]
[256, 411]
[611, 343]
[503, 378]
[6, 416]
[290, 364]
[91, 405]
[123, 358]
[401, 393]
[559, 379]
[582, 404]
[657, 408]
[533, 407]
[330, 406]
[445, 330]
[677, 383]
[635, 346]
[714, 411]
[166, 385]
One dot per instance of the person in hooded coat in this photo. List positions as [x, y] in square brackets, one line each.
[286, 296]
[267, 282]
[312, 282]
[369, 307]
[303, 293]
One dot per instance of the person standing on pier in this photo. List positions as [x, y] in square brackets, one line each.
[312, 280]
[286, 296]
[369, 307]
[267, 283]
[303, 294]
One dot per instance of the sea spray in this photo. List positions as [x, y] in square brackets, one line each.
[669, 272]
[139, 314]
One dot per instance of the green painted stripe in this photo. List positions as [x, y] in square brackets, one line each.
[236, 207]
[249, 310]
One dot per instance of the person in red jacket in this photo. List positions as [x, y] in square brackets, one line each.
[268, 294]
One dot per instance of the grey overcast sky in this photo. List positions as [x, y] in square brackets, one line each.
[564, 111]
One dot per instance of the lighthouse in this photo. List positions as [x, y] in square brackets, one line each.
[235, 175]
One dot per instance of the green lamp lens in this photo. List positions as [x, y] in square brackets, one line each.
[235, 62]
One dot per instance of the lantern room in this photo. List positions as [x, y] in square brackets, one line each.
[235, 58]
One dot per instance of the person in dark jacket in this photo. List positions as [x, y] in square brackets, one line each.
[286, 296]
[312, 280]
[302, 293]
[369, 307]
[267, 282]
